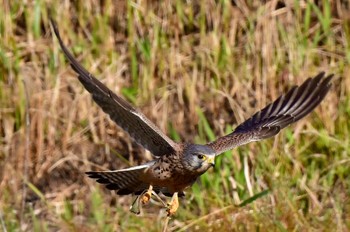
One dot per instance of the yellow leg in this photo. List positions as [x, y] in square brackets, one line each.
[173, 205]
[147, 195]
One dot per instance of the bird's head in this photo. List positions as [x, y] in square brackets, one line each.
[198, 158]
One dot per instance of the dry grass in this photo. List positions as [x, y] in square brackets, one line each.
[197, 70]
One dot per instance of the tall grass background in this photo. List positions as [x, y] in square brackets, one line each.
[195, 68]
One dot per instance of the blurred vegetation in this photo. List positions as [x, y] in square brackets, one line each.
[197, 69]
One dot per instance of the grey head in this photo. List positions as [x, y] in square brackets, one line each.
[197, 158]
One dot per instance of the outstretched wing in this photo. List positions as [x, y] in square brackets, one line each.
[288, 108]
[121, 112]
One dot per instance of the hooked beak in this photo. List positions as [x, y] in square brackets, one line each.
[211, 160]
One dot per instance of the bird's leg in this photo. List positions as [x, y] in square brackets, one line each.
[159, 199]
[145, 197]
[173, 205]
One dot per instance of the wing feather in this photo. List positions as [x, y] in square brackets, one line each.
[294, 105]
[124, 181]
[120, 111]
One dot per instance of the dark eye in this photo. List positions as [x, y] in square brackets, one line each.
[200, 156]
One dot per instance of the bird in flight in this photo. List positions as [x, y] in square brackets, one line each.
[176, 166]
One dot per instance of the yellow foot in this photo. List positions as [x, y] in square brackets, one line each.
[173, 205]
[147, 195]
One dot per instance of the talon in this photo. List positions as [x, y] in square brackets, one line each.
[173, 205]
[147, 195]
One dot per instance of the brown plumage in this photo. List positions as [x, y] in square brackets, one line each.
[178, 165]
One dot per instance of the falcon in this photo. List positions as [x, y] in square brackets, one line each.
[176, 166]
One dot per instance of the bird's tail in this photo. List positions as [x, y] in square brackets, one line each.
[124, 181]
[128, 181]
